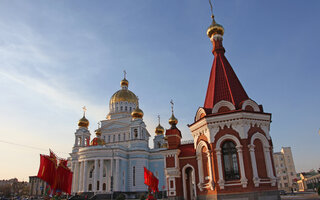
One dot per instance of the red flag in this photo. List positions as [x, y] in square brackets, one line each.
[47, 169]
[64, 177]
[150, 180]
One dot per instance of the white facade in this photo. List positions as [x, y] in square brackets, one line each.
[123, 155]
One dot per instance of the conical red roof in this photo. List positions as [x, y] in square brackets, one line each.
[223, 83]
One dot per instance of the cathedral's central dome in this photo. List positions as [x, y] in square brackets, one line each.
[124, 95]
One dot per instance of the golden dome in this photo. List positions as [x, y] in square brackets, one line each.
[215, 28]
[124, 95]
[137, 113]
[173, 120]
[83, 122]
[124, 82]
[159, 130]
[98, 132]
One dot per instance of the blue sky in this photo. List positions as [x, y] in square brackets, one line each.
[56, 56]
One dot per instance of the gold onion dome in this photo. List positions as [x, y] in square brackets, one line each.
[159, 130]
[124, 94]
[83, 122]
[173, 120]
[98, 132]
[215, 28]
[137, 113]
[124, 82]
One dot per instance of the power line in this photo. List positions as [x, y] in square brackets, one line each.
[28, 146]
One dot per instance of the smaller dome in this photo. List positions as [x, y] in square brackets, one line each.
[137, 113]
[159, 130]
[97, 141]
[98, 132]
[83, 122]
[215, 28]
[124, 82]
[173, 120]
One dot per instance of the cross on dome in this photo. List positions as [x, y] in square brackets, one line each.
[84, 110]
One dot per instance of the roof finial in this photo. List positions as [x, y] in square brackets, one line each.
[211, 9]
[172, 104]
[84, 110]
[124, 74]
[159, 118]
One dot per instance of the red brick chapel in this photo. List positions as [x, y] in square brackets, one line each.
[231, 153]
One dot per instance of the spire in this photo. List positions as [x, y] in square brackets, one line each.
[223, 82]
[83, 122]
[124, 83]
[159, 129]
[173, 121]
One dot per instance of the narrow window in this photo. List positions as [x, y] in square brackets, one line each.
[90, 187]
[230, 161]
[121, 108]
[91, 172]
[126, 108]
[119, 137]
[97, 185]
[134, 176]
[104, 187]
[135, 133]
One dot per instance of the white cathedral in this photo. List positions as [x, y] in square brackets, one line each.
[114, 160]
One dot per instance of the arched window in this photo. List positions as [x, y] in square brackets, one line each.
[230, 161]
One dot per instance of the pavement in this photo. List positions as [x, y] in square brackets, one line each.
[301, 195]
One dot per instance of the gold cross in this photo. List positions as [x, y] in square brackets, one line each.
[84, 110]
[124, 74]
[172, 105]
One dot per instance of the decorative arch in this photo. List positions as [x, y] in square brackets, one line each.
[267, 157]
[223, 103]
[184, 180]
[251, 103]
[200, 114]
[221, 181]
[202, 183]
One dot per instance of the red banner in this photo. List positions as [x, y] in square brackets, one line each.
[150, 180]
[58, 177]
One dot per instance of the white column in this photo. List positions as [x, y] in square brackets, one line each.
[243, 179]
[200, 168]
[73, 169]
[255, 179]
[80, 184]
[111, 163]
[210, 169]
[269, 166]
[85, 175]
[101, 175]
[116, 181]
[95, 175]
[220, 170]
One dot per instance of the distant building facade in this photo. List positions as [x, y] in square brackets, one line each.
[285, 169]
[309, 181]
[37, 186]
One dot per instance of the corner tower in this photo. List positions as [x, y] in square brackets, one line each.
[231, 135]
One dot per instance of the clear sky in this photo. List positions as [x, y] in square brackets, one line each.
[56, 56]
